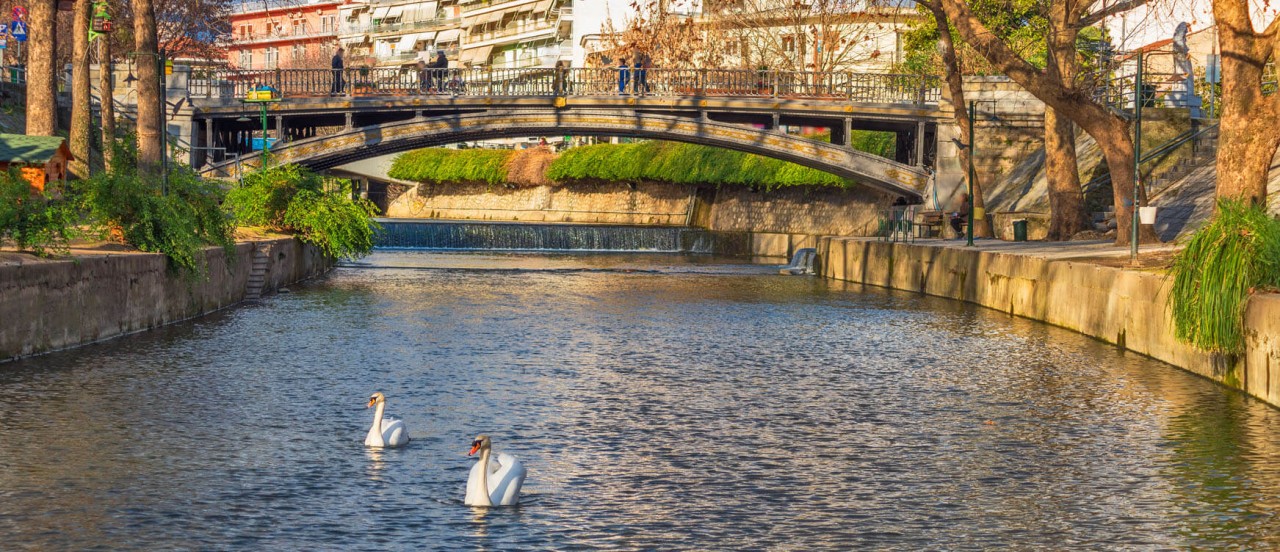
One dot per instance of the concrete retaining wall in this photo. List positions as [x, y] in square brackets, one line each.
[1124, 307]
[46, 306]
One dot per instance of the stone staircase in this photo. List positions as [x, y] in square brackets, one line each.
[258, 272]
[1204, 150]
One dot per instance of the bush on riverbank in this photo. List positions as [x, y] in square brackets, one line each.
[33, 221]
[322, 211]
[178, 221]
[680, 163]
[1223, 264]
[875, 142]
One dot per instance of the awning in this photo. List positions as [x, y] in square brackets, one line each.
[406, 42]
[349, 40]
[426, 37]
[380, 13]
[449, 35]
[494, 17]
[544, 6]
[468, 22]
[427, 10]
[479, 55]
[394, 12]
[525, 8]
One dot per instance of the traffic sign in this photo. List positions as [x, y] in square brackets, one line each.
[19, 31]
[19, 13]
[4, 28]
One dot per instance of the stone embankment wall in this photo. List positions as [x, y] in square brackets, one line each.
[773, 223]
[1124, 307]
[54, 305]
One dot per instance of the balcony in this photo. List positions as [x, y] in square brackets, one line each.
[277, 6]
[240, 39]
[518, 32]
[415, 25]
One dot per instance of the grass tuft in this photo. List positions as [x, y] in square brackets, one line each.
[1224, 263]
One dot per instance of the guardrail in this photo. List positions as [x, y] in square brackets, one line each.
[392, 82]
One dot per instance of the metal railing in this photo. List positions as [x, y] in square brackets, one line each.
[543, 81]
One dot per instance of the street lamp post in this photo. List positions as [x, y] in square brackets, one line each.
[1137, 159]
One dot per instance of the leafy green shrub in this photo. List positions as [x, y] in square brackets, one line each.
[435, 165]
[1237, 253]
[178, 223]
[33, 221]
[682, 163]
[875, 142]
[291, 198]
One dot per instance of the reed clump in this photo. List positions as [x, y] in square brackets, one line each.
[680, 163]
[1236, 255]
[440, 165]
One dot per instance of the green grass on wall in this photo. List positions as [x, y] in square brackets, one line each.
[435, 165]
[681, 163]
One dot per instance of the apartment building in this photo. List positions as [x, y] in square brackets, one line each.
[283, 34]
[472, 33]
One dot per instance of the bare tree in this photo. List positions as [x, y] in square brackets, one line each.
[1249, 118]
[805, 35]
[81, 103]
[42, 77]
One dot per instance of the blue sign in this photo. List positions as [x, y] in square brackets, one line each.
[19, 31]
[4, 28]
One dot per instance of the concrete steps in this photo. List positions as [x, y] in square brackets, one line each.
[258, 272]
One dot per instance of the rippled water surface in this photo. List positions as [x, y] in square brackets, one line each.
[659, 402]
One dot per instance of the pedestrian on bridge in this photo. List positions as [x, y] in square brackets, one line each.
[624, 75]
[640, 73]
[424, 78]
[436, 71]
[336, 89]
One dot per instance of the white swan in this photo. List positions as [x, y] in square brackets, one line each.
[391, 433]
[497, 483]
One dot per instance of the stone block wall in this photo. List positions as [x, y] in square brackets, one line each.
[1124, 307]
[608, 203]
[51, 305]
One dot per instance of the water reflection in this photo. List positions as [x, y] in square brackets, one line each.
[688, 406]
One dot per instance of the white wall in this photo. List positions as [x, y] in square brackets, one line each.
[1157, 20]
[589, 17]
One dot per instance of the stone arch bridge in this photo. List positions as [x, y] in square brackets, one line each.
[380, 111]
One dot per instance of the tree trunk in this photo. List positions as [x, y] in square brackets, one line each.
[1107, 129]
[1248, 137]
[150, 97]
[107, 93]
[81, 104]
[42, 75]
[1066, 201]
[955, 85]
[1062, 168]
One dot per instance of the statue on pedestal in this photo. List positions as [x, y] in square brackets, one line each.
[1184, 86]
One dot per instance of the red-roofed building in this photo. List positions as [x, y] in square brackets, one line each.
[283, 34]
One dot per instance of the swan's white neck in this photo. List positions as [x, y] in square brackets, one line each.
[377, 418]
[484, 477]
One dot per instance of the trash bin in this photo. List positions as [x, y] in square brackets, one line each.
[1020, 230]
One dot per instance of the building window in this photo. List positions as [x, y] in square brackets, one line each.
[272, 58]
[329, 23]
[299, 28]
[789, 44]
[299, 52]
[246, 59]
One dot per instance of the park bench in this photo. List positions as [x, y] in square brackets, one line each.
[930, 223]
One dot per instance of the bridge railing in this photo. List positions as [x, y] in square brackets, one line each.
[524, 82]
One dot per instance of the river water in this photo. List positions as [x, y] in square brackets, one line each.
[658, 402]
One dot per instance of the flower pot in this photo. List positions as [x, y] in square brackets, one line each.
[1147, 215]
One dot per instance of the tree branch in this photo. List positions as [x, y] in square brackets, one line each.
[1097, 17]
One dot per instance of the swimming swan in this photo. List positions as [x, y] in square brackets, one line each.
[392, 433]
[496, 484]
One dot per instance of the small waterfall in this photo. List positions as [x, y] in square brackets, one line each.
[515, 236]
[801, 262]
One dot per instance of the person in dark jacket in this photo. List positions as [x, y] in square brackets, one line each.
[338, 66]
[624, 75]
[436, 71]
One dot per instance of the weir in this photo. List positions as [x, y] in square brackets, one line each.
[515, 236]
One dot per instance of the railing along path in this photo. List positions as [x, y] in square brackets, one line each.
[396, 82]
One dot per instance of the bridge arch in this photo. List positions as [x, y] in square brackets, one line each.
[354, 144]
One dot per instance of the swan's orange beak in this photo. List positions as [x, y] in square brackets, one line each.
[372, 401]
[474, 447]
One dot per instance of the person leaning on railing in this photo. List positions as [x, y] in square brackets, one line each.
[337, 66]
